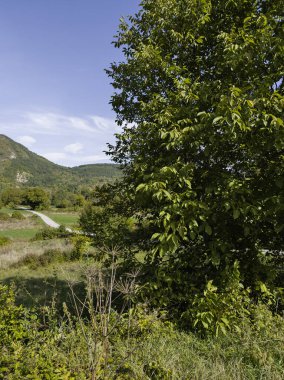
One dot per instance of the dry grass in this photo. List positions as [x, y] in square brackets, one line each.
[14, 224]
[16, 251]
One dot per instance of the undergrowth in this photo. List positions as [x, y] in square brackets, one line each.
[109, 335]
[139, 345]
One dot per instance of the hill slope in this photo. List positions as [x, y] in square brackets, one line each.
[20, 166]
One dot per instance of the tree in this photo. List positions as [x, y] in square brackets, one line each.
[200, 99]
[36, 198]
[12, 197]
[106, 220]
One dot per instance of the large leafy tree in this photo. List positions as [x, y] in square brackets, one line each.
[200, 99]
[36, 198]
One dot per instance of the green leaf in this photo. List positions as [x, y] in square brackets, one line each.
[236, 214]
[218, 118]
[263, 287]
[192, 235]
[226, 322]
[208, 229]
[140, 187]
[156, 235]
[205, 324]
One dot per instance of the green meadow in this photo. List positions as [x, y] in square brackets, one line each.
[63, 218]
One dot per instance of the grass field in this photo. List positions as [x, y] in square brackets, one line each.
[40, 284]
[24, 230]
[12, 253]
[21, 234]
[6, 210]
[20, 230]
[65, 218]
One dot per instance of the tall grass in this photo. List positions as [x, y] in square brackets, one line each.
[13, 253]
[136, 344]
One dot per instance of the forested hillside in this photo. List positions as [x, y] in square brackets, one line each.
[20, 166]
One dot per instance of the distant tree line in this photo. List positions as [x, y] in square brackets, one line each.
[41, 198]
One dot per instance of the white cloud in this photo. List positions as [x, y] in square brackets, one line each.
[46, 121]
[55, 156]
[51, 123]
[73, 148]
[26, 140]
[62, 138]
[104, 123]
[63, 123]
[63, 158]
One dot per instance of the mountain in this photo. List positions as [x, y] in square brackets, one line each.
[19, 166]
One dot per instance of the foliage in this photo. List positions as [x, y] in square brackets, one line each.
[17, 215]
[216, 312]
[40, 344]
[4, 241]
[36, 198]
[65, 199]
[106, 228]
[12, 197]
[20, 167]
[81, 246]
[49, 256]
[48, 233]
[110, 220]
[12, 318]
[4, 216]
[200, 99]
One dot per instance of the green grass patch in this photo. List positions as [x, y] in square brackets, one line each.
[6, 210]
[20, 234]
[67, 219]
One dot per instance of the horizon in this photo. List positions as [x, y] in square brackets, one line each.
[55, 94]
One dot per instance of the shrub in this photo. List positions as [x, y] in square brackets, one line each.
[30, 260]
[4, 241]
[133, 345]
[54, 255]
[17, 215]
[4, 216]
[11, 318]
[48, 233]
[81, 246]
[48, 257]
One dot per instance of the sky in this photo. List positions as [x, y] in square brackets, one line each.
[54, 93]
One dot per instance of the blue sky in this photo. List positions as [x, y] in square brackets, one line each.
[54, 93]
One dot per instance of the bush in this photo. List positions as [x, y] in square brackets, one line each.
[48, 257]
[4, 216]
[4, 241]
[81, 246]
[30, 260]
[48, 233]
[17, 215]
[41, 345]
